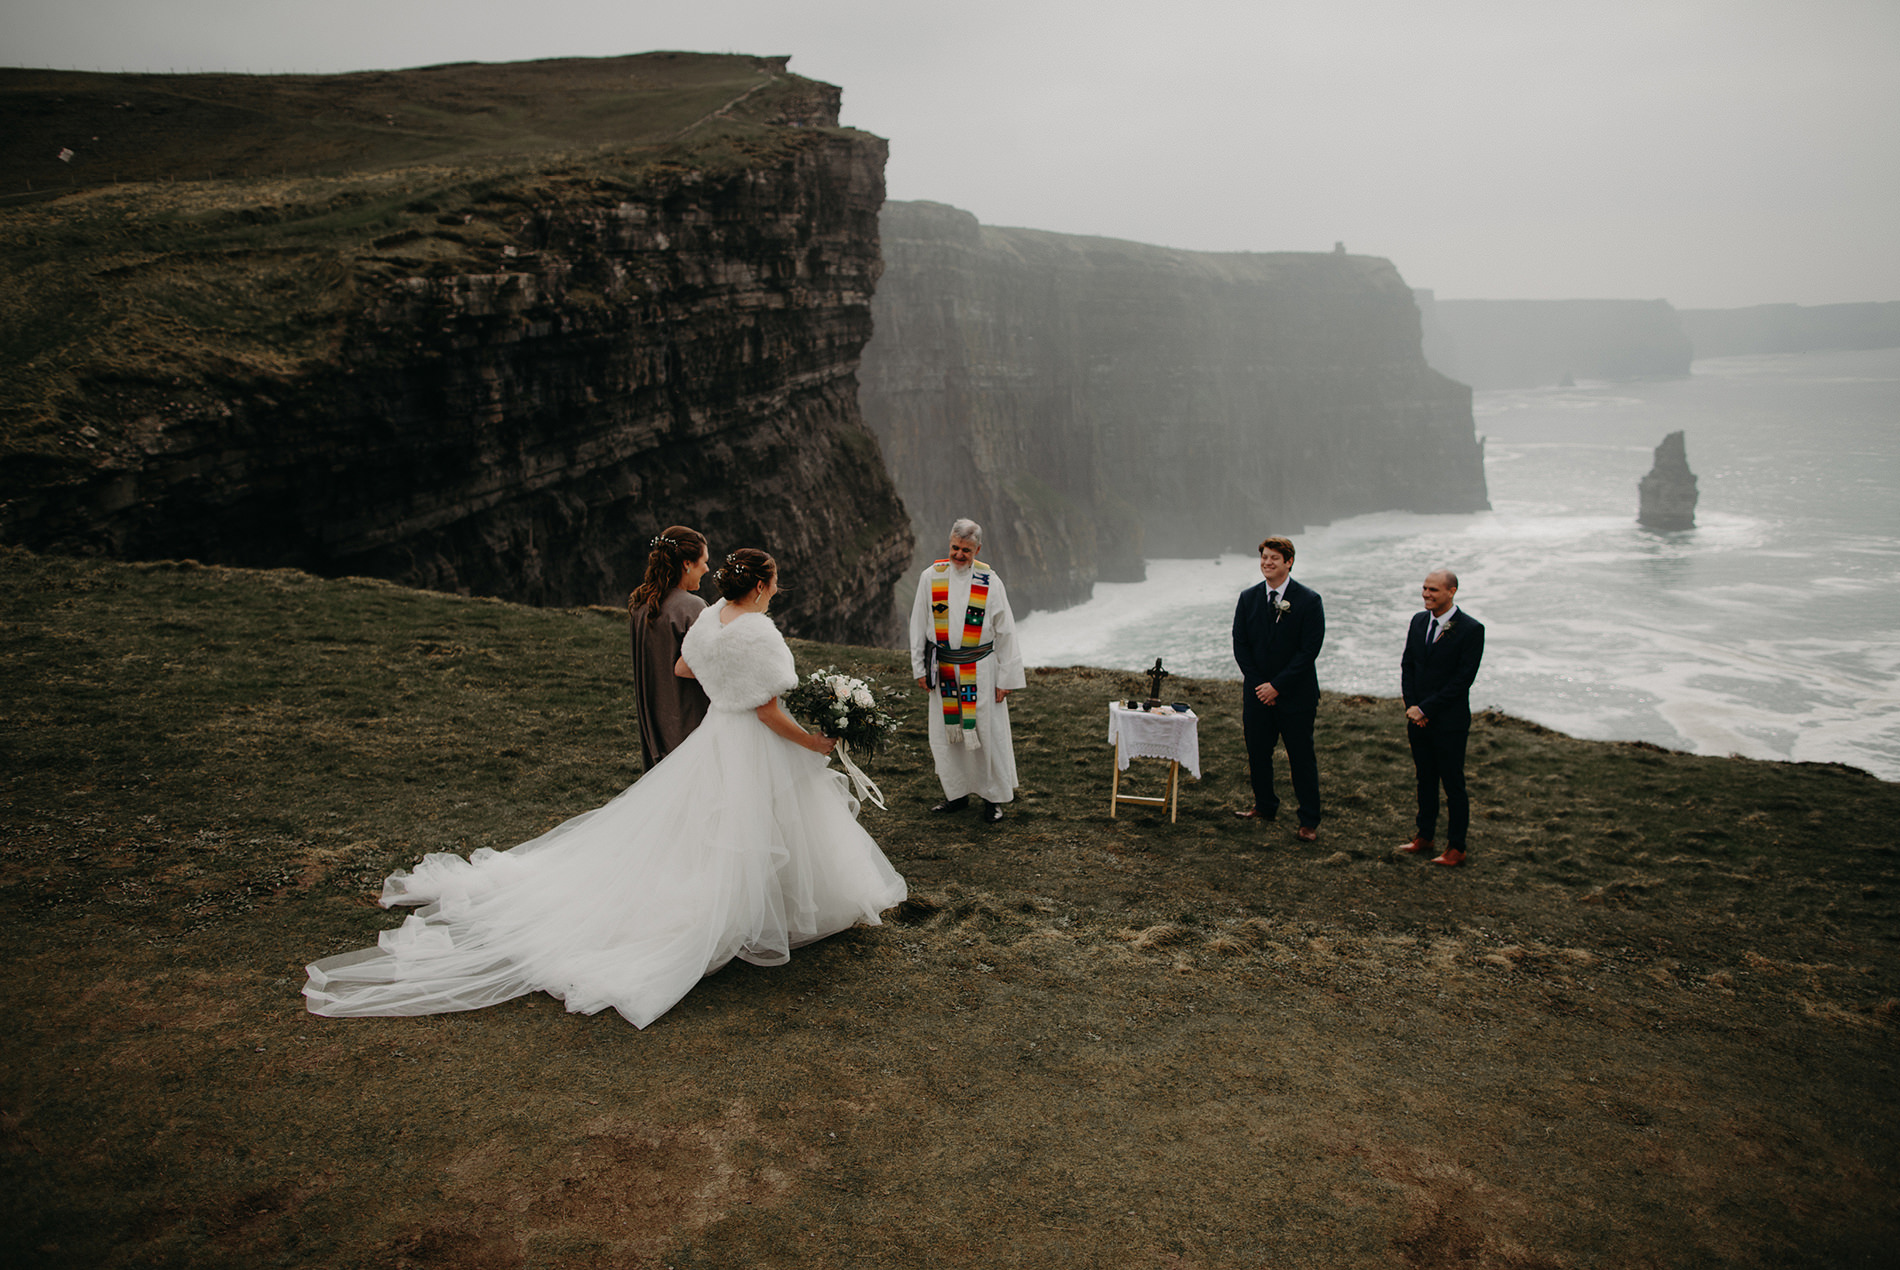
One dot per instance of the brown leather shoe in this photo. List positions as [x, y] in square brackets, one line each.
[1253, 813]
[1452, 858]
[1307, 833]
[1417, 846]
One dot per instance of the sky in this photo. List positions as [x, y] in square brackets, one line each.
[1713, 153]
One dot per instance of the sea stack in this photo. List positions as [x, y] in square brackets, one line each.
[1666, 497]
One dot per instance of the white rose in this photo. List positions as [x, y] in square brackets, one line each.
[862, 697]
[841, 689]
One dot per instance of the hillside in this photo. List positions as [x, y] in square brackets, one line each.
[1651, 1024]
[133, 129]
[474, 328]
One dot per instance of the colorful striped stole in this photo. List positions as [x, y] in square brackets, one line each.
[956, 681]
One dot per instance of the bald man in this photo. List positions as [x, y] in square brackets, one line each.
[1442, 652]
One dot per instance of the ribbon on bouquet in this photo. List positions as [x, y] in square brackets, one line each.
[863, 788]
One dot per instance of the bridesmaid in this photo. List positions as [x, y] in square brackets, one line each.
[662, 610]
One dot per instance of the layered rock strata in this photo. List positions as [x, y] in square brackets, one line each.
[501, 381]
[1666, 496]
[1095, 402]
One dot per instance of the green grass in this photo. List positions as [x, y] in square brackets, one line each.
[1652, 1023]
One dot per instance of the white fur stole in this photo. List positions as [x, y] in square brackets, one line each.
[742, 664]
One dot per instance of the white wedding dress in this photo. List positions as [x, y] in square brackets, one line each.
[738, 844]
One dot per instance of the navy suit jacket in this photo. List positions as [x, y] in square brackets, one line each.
[1280, 652]
[1437, 677]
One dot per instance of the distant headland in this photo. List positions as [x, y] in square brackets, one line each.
[1548, 343]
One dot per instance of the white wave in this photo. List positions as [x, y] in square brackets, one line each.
[1768, 630]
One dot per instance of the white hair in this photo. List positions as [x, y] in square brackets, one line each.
[968, 530]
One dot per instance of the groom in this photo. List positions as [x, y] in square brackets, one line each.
[1442, 652]
[1279, 626]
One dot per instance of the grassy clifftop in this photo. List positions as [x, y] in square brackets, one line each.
[227, 225]
[1651, 1024]
[140, 127]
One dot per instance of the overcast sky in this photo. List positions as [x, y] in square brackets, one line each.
[1708, 152]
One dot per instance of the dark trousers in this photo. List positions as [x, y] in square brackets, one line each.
[1439, 756]
[1293, 727]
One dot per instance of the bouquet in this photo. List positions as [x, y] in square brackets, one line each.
[838, 705]
[841, 706]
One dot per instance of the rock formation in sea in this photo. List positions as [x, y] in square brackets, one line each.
[477, 328]
[1666, 497]
[1541, 343]
[1792, 328]
[1094, 402]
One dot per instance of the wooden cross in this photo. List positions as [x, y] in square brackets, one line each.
[1155, 675]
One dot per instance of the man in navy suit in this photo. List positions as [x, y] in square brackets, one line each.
[1278, 629]
[1442, 652]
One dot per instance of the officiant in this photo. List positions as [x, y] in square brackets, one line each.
[963, 652]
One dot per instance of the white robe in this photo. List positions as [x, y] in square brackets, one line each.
[987, 769]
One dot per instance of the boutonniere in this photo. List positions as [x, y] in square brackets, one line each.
[1280, 607]
[1444, 627]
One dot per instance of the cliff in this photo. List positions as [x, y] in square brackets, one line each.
[1539, 343]
[1666, 496]
[1094, 402]
[1792, 328]
[485, 329]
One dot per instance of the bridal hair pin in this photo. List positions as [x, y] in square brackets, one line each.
[659, 539]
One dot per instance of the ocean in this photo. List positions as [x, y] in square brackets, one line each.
[1770, 630]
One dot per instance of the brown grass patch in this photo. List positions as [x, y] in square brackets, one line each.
[1081, 1041]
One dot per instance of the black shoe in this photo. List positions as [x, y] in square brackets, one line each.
[951, 804]
[991, 813]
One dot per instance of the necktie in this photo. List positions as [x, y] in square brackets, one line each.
[1431, 636]
[1273, 599]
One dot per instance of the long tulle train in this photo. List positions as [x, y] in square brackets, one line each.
[737, 845]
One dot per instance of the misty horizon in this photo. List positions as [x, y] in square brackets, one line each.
[1717, 156]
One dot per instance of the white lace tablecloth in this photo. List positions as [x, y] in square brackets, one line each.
[1145, 735]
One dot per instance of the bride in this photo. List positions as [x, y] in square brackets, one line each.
[744, 843]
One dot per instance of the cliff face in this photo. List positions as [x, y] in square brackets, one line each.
[502, 381]
[1093, 402]
[1792, 328]
[1539, 343]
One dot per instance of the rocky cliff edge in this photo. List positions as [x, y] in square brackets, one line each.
[472, 328]
[1094, 402]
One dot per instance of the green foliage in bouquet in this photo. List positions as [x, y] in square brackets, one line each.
[845, 707]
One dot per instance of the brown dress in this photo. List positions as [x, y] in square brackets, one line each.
[669, 707]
